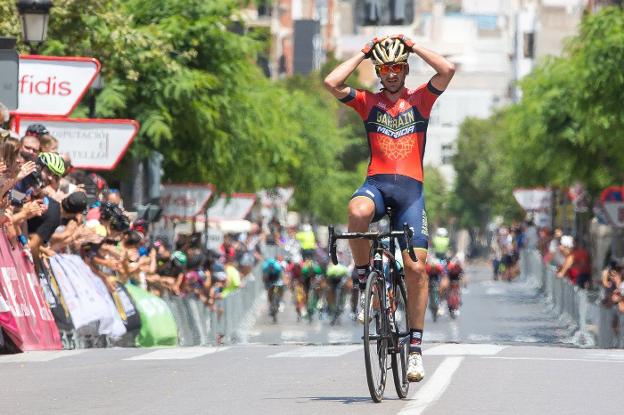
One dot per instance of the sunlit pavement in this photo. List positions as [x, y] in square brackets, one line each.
[487, 371]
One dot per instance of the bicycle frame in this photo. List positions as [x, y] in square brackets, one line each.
[396, 340]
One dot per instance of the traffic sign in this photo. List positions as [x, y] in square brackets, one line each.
[184, 201]
[612, 199]
[52, 85]
[94, 144]
[236, 206]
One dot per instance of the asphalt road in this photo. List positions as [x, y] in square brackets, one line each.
[506, 354]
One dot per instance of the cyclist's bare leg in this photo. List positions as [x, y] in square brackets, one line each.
[417, 282]
[361, 211]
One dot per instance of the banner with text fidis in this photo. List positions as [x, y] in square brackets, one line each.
[93, 143]
[24, 313]
[53, 85]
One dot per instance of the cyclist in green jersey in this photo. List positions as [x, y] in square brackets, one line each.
[313, 284]
[336, 278]
[441, 244]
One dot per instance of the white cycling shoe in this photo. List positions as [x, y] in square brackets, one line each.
[415, 368]
[360, 316]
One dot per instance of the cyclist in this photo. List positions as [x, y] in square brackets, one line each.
[435, 271]
[455, 273]
[307, 240]
[396, 124]
[313, 285]
[336, 279]
[441, 244]
[293, 269]
[272, 271]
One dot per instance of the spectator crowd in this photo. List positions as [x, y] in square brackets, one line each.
[49, 207]
[571, 259]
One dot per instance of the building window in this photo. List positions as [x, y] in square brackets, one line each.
[448, 152]
[529, 45]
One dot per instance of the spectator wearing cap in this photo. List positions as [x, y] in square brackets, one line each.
[577, 266]
[31, 142]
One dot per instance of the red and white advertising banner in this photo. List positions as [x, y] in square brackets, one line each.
[53, 85]
[24, 313]
[537, 201]
[612, 200]
[92, 143]
[235, 207]
[184, 201]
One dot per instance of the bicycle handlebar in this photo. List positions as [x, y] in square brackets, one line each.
[407, 233]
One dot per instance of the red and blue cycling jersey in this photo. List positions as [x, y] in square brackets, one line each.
[397, 132]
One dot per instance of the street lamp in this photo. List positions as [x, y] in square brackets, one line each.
[34, 15]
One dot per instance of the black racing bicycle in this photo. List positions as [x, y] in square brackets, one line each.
[386, 327]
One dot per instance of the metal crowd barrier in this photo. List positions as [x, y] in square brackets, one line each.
[596, 325]
[199, 326]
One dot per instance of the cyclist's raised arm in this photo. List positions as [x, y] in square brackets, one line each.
[445, 69]
[335, 80]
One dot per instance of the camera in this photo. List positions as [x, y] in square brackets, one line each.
[34, 179]
[113, 213]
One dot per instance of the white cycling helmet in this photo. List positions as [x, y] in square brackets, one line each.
[389, 50]
[442, 232]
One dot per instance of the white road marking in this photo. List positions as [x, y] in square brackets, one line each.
[433, 389]
[611, 355]
[178, 353]
[464, 350]
[554, 359]
[38, 356]
[318, 351]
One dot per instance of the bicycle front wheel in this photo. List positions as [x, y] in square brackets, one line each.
[375, 342]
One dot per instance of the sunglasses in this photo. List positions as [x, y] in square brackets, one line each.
[395, 68]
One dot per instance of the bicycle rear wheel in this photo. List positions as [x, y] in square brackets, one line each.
[400, 358]
[375, 345]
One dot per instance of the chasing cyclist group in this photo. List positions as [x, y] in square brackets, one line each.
[323, 291]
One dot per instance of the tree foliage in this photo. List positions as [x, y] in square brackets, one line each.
[436, 196]
[179, 68]
[567, 127]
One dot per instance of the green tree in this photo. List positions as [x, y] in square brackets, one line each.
[567, 127]
[175, 66]
[436, 194]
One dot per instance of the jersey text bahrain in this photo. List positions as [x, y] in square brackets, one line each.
[397, 132]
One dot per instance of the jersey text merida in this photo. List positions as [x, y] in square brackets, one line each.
[397, 132]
